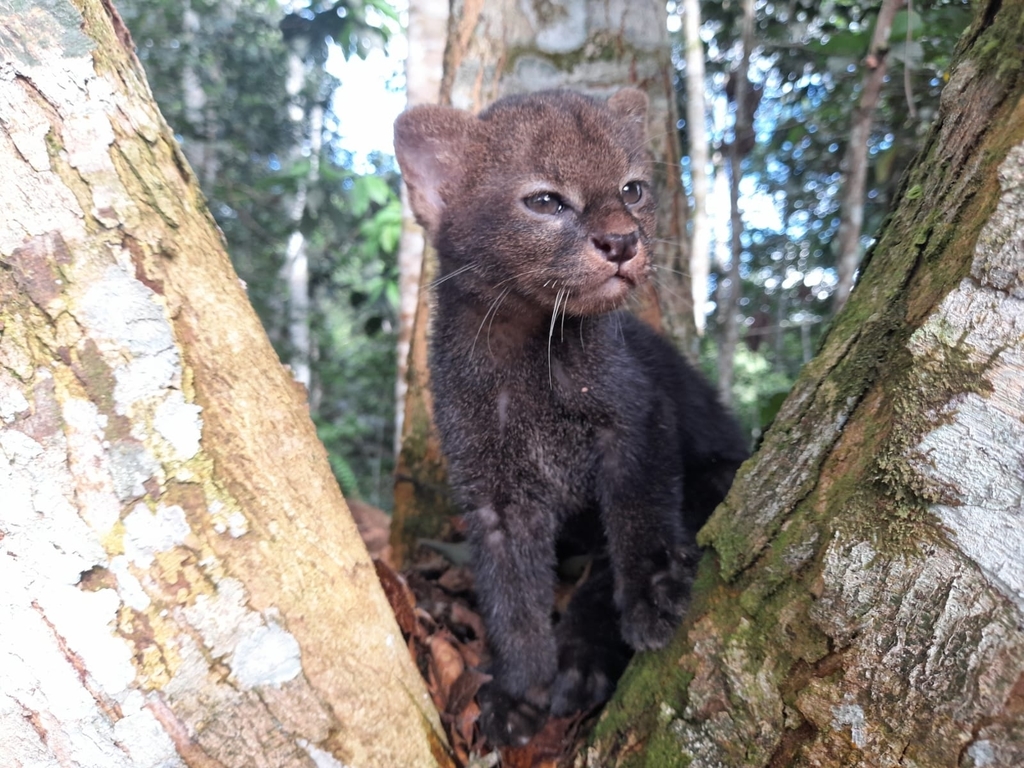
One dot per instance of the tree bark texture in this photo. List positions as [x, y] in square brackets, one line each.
[182, 582]
[855, 162]
[514, 46]
[863, 602]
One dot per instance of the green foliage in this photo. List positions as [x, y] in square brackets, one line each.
[356, 326]
[806, 72]
[219, 73]
[757, 389]
[356, 26]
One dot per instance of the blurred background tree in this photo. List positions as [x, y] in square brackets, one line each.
[808, 70]
[250, 88]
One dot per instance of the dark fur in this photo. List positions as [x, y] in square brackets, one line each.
[555, 411]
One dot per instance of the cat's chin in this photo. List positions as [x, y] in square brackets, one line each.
[609, 295]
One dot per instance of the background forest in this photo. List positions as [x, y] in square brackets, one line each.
[251, 90]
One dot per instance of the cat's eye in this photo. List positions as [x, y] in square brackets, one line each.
[545, 202]
[632, 192]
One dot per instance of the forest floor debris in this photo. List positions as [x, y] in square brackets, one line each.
[435, 606]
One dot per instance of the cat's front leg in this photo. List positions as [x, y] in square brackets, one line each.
[653, 595]
[654, 559]
[514, 554]
[591, 652]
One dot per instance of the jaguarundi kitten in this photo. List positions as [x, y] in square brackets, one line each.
[559, 415]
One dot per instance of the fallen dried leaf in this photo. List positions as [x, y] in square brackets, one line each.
[446, 666]
[400, 597]
[374, 528]
[456, 581]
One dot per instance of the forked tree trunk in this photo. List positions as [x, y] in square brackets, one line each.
[863, 602]
[182, 582]
[502, 47]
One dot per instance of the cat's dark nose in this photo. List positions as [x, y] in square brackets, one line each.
[617, 248]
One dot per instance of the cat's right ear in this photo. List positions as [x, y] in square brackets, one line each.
[431, 144]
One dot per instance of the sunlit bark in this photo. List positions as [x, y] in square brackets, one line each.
[427, 33]
[307, 119]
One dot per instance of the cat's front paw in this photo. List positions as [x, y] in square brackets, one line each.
[587, 674]
[651, 613]
[505, 720]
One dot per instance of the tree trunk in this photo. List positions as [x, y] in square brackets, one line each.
[731, 288]
[308, 125]
[504, 47]
[428, 23]
[855, 163]
[182, 582]
[864, 599]
[696, 129]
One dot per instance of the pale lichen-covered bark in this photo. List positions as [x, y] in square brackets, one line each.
[864, 601]
[182, 583]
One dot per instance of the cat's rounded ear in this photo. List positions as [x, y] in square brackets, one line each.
[631, 105]
[431, 144]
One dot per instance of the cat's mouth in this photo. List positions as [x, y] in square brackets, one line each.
[625, 277]
[604, 296]
[602, 286]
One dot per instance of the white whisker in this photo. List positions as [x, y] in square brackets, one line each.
[551, 331]
[450, 275]
[501, 298]
[493, 308]
[564, 305]
[669, 269]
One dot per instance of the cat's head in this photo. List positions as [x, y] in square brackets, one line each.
[547, 195]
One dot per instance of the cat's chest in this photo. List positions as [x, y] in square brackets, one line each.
[550, 412]
[545, 403]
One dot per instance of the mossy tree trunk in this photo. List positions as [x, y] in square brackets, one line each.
[182, 582]
[862, 602]
[507, 46]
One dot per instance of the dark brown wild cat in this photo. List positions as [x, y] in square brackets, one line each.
[559, 416]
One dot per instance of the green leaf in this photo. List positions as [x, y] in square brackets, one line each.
[771, 407]
[883, 165]
[389, 237]
[843, 44]
[391, 293]
[359, 198]
[899, 26]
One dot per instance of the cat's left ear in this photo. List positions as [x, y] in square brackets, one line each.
[631, 105]
[431, 144]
